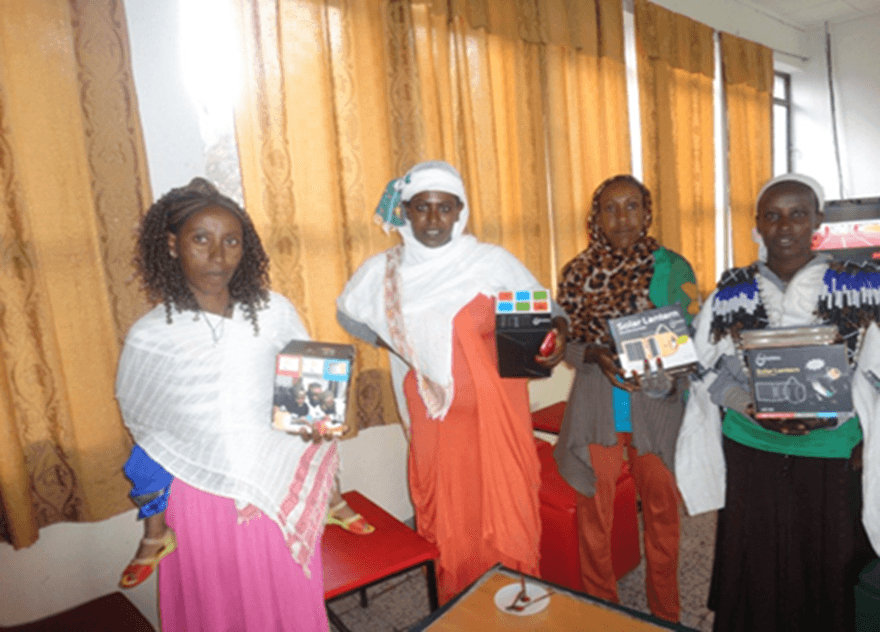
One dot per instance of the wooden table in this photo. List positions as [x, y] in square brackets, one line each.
[352, 562]
[474, 610]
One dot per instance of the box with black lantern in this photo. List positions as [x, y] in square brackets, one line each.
[311, 387]
[798, 373]
[655, 333]
[522, 322]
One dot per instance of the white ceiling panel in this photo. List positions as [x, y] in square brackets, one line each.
[807, 14]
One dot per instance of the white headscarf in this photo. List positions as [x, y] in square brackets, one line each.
[434, 284]
[785, 177]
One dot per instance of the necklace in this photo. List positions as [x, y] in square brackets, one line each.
[216, 328]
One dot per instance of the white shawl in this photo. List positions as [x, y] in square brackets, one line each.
[434, 288]
[202, 410]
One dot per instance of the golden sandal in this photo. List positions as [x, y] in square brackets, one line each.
[356, 524]
[140, 568]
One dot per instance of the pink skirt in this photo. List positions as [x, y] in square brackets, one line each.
[235, 577]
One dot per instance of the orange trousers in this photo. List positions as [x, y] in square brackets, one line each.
[655, 486]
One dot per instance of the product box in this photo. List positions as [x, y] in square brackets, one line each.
[656, 333]
[311, 387]
[800, 382]
[522, 321]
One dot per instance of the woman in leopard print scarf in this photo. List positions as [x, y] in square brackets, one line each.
[623, 271]
[603, 281]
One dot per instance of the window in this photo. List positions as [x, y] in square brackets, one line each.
[782, 146]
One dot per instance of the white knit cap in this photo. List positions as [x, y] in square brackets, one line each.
[794, 177]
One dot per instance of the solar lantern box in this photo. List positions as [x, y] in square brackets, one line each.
[799, 373]
[655, 333]
[522, 322]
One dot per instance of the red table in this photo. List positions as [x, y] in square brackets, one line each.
[355, 562]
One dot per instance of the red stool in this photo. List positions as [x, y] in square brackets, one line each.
[560, 559]
[352, 562]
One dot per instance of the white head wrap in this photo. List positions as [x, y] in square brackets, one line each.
[433, 175]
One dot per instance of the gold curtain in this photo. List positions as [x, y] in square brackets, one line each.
[676, 71]
[342, 96]
[587, 111]
[73, 183]
[747, 69]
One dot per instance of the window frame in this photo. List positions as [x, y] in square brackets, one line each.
[785, 102]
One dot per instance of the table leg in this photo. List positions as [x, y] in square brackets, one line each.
[363, 597]
[336, 621]
[433, 601]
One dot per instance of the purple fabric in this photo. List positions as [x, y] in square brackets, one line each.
[226, 576]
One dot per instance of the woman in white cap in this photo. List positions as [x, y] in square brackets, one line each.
[473, 468]
[789, 543]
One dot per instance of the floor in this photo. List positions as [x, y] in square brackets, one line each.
[399, 603]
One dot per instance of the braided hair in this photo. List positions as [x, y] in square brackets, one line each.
[161, 274]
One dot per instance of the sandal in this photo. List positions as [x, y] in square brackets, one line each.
[356, 524]
[141, 568]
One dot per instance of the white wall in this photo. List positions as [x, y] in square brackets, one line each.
[856, 76]
[175, 151]
[71, 564]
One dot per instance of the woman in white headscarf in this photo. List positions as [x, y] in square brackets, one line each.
[473, 468]
[789, 543]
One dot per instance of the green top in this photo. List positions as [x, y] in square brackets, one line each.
[822, 443]
[674, 282]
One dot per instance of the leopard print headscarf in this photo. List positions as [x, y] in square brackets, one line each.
[603, 282]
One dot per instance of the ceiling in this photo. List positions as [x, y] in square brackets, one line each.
[808, 14]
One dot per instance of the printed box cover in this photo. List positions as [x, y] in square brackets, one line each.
[800, 382]
[522, 320]
[311, 387]
[656, 333]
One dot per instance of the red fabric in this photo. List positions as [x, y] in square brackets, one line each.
[474, 476]
[656, 488]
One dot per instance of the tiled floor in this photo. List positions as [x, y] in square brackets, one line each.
[398, 603]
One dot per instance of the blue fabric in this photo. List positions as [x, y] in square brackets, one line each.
[622, 415]
[148, 479]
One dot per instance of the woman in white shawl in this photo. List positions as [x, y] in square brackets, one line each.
[195, 385]
[789, 542]
[473, 468]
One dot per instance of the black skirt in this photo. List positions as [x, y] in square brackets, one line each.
[790, 543]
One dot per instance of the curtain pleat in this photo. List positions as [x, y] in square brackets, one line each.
[588, 122]
[73, 184]
[747, 70]
[342, 96]
[676, 71]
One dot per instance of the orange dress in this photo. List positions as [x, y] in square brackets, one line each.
[474, 475]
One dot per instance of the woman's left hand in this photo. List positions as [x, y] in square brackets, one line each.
[560, 328]
[655, 384]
